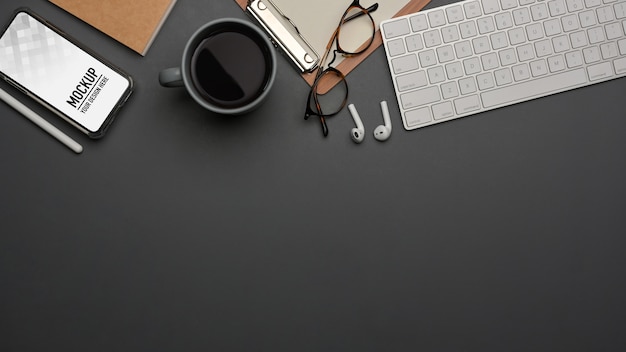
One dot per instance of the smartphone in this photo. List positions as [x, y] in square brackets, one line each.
[40, 60]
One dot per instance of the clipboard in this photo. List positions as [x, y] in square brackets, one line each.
[302, 28]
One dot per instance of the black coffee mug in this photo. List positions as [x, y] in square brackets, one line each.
[228, 67]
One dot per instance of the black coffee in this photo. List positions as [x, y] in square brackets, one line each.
[230, 69]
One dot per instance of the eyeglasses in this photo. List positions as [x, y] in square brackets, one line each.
[353, 36]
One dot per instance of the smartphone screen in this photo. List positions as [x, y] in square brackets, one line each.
[37, 59]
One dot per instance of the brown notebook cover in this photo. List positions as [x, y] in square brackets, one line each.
[133, 23]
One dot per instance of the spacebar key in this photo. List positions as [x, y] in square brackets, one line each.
[534, 89]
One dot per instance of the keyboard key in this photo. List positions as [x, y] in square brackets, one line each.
[432, 38]
[608, 50]
[427, 58]
[503, 76]
[498, 40]
[578, 39]
[521, 16]
[543, 48]
[490, 61]
[507, 57]
[591, 54]
[538, 68]
[552, 27]
[450, 90]
[463, 49]
[404, 64]
[521, 72]
[467, 104]
[450, 34]
[396, 47]
[418, 117]
[593, 3]
[471, 65]
[481, 45]
[508, 4]
[574, 5]
[455, 14]
[620, 66]
[445, 53]
[486, 25]
[396, 28]
[414, 42]
[443, 110]
[596, 35]
[411, 81]
[436, 75]
[557, 7]
[420, 97]
[622, 46]
[569, 23]
[418, 23]
[600, 71]
[472, 9]
[468, 29]
[534, 88]
[556, 63]
[534, 31]
[574, 59]
[485, 81]
[436, 18]
[620, 10]
[539, 12]
[613, 31]
[504, 20]
[516, 36]
[560, 43]
[525, 52]
[605, 14]
[467, 85]
[587, 18]
[491, 6]
[454, 70]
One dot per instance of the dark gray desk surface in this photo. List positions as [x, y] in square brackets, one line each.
[184, 231]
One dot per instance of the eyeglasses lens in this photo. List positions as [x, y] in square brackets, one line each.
[356, 31]
[333, 100]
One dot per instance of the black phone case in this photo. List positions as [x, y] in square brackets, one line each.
[112, 114]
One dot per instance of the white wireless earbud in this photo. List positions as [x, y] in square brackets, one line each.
[357, 133]
[382, 132]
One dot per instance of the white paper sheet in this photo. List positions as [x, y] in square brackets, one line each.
[317, 19]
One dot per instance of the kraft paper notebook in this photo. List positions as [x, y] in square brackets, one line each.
[133, 23]
[317, 19]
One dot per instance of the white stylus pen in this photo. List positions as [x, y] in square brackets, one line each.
[39, 121]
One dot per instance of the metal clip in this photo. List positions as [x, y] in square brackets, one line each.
[284, 34]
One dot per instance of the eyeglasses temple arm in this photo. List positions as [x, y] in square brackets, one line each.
[359, 14]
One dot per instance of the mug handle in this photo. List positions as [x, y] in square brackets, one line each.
[171, 77]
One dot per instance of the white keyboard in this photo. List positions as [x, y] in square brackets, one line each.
[473, 56]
